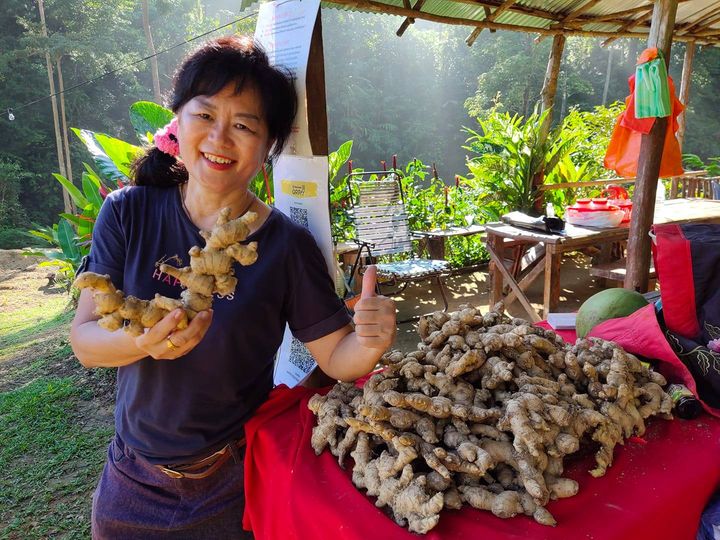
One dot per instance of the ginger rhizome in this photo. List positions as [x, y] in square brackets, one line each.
[484, 413]
[210, 272]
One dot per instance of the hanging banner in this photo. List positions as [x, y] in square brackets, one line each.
[301, 192]
[285, 28]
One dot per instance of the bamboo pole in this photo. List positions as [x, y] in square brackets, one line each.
[651, 149]
[66, 135]
[151, 48]
[67, 202]
[685, 89]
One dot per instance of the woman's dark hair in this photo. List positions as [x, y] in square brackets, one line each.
[205, 72]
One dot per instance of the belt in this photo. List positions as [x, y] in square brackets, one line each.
[205, 466]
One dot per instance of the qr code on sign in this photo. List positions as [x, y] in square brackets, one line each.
[300, 356]
[299, 216]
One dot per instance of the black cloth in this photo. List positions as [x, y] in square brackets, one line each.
[176, 411]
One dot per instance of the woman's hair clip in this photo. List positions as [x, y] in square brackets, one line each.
[166, 139]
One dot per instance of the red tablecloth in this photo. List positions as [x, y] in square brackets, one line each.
[656, 488]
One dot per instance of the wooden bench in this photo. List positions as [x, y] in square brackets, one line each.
[616, 270]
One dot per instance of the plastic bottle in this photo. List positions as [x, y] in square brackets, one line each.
[685, 404]
[660, 194]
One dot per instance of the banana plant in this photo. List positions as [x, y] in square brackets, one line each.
[70, 238]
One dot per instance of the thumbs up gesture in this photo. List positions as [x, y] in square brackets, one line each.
[375, 319]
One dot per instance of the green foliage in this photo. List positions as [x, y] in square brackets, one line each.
[695, 163]
[341, 226]
[71, 236]
[112, 156]
[429, 203]
[147, 117]
[591, 131]
[509, 154]
[42, 447]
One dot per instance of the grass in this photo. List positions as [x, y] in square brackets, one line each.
[49, 462]
[55, 420]
[28, 326]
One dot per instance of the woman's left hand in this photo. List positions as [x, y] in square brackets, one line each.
[375, 317]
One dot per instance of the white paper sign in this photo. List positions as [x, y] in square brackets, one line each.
[285, 30]
[301, 192]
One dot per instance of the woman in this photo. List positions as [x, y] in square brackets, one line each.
[174, 468]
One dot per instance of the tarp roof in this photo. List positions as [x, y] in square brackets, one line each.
[696, 20]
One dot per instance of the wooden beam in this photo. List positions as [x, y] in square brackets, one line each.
[651, 150]
[409, 20]
[702, 21]
[618, 17]
[489, 17]
[571, 16]
[629, 26]
[685, 88]
[316, 101]
[375, 6]
[501, 6]
[487, 14]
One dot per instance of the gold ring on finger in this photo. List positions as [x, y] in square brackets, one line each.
[170, 344]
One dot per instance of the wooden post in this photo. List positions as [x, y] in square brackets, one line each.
[315, 84]
[651, 149]
[67, 202]
[548, 100]
[685, 88]
[551, 77]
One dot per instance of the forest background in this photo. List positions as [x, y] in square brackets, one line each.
[409, 96]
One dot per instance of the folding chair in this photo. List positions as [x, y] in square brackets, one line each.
[381, 228]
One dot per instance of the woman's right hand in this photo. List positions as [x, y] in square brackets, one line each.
[165, 342]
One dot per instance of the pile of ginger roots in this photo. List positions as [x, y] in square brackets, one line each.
[483, 413]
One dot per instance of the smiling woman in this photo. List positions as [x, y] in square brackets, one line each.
[175, 468]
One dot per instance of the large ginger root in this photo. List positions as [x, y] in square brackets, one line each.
[210, 272]
[483, 413]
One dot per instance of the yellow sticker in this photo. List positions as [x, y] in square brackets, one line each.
[299, 188]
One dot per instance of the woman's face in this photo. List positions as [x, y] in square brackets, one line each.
[223, 138]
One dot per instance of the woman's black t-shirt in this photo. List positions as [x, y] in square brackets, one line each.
[171, 411]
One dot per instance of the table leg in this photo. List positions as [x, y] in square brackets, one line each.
[347, 259]
[551, 292]
[500, 268]
[605, 255]
[436, 247]
[495, 244]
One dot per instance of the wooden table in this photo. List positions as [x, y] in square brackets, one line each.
[434, 241]
[575, 238]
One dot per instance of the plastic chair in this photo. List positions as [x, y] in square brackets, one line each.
[382, 228]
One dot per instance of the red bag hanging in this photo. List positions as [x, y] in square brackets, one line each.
[624, 147]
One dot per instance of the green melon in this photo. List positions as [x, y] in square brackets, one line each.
[607, 304]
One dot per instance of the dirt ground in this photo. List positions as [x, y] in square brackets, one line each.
[24, 283]
[576, 286]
